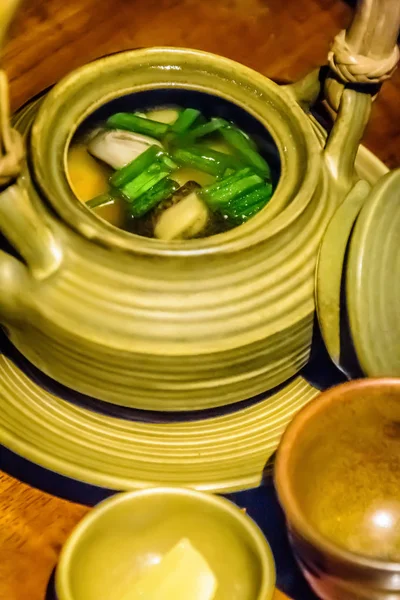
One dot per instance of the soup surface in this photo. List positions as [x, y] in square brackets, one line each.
[169, 173]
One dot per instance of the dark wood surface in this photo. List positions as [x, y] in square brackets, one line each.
[280, 38]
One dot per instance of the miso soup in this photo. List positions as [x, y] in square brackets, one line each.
[169, 173]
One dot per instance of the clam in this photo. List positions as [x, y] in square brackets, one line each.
[117, 147]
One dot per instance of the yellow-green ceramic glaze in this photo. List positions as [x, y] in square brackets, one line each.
[328, 278]
[125, 535]
[332, 263]
[183, 325]
[218, 454]
[373, 280]
[338, 480]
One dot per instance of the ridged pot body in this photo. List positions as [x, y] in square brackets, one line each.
[179, 326]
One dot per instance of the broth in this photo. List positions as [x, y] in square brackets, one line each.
[91, 164]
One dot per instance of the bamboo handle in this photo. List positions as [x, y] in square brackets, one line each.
[375, 28]
[367, 53]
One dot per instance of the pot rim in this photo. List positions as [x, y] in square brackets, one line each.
[67, 100]
[287, 497]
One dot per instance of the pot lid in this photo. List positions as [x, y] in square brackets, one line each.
[358, 280]
[373, 280]
[329, 273]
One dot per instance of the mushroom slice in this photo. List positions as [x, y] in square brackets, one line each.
[185, 219]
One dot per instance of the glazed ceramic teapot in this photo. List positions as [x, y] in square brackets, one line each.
[192, 324]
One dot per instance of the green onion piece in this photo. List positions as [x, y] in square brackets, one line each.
[167, 161]
[260, 194]
[243, 207]
[138, 124]
[145, 181]
[224, 182]
[134, 168]
[204, 129]
[252, 210]
[250, 142]
[244, 215]
[98, 201]
[245, 148]
[204, 159]
[185, 120]
[159, 192]
[218, 199]
[228, 172]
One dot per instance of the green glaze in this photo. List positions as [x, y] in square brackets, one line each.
[178, 325]
[123, 536]
[221, 454]
[328, 283]
[373, 280]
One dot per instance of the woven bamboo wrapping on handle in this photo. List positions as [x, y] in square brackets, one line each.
[367, 53]
[351, 67]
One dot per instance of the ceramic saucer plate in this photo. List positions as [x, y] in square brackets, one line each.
[373, 280]
[221, 454]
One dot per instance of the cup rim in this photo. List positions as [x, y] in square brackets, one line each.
[253, 532]
[286, 495]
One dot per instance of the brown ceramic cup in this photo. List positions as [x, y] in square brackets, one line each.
[338, 480]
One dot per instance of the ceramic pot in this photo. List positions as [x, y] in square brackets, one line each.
[183, 325]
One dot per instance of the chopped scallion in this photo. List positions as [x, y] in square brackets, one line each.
[134, 168]
[243, 207]
[145, 181]
[222, 193]
[102, 200]
[204, 129]
[159, 192]
[132, 122]
[245, 148]
[205, 159]
[185, 120]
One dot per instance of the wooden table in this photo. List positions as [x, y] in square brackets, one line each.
[281, 38]
[33, 527]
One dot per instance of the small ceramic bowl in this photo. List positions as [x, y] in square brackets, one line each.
[338, 481]
[126, 534]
